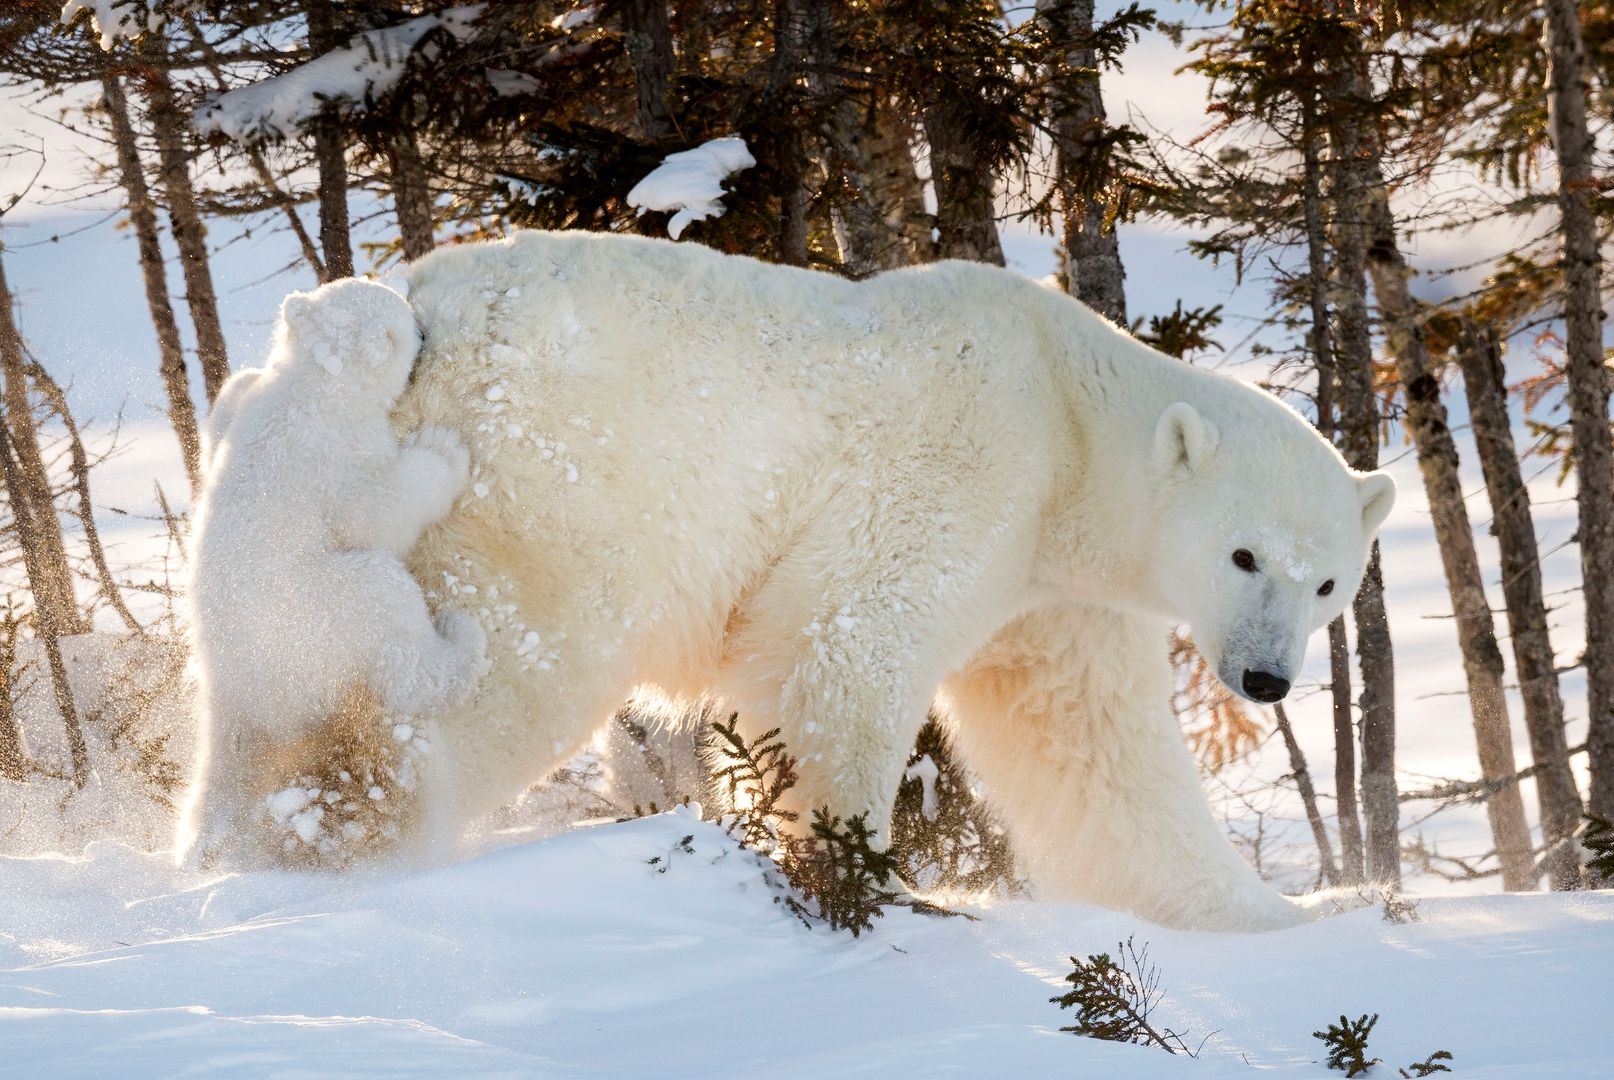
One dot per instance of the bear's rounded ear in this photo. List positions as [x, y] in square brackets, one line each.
[1377, 492]
[1183, 439]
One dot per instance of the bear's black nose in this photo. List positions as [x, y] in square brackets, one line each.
[1265, 687]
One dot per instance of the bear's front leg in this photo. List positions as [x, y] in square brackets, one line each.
[1065, 716]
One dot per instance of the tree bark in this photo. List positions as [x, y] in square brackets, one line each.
[787, 101]
[1481, 355]
[30, 518]
[86, 506]
[1348, 819]
[411, 195]
[648, 32]
[966, 220]
[1425, 422]
[1092, 257]
[330, 157]
[39, 532]
[184, 217]
[1359, 430]
[1567, 92]
[143, 216]
[897, 190]
[1308, 795]
[13, 751]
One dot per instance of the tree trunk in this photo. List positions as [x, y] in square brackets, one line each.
[966, 220]
[1425, 422]
[1093, 270]
[787, 101]
[142, 214]
[648, 33]
[898, 191]
[1308, 796]
[39, 532]
[1359, 431]
[330, 157]
[86, 506]
[13, 751]
[30, 518]
[184, 217]
[411, 195]
[1481, 356]
[1347, 817]
[1588, 379]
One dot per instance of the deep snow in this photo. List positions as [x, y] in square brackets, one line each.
[574, 957]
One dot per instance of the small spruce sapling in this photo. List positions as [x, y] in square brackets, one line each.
[1598, 838]
[1347, 1044]
[754, 775]
[1113, 999]
[1347, 1050]
[840, 872]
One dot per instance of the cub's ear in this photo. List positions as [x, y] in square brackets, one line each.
[306, 337]
[1377, 492]
[1183, 439]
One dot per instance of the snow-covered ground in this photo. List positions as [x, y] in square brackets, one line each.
[573, 956]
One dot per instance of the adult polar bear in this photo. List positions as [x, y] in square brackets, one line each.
[831, 504]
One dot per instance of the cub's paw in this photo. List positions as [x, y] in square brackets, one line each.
[445, 445]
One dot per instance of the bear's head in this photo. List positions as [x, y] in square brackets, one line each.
[357, 336]
[1264, 537]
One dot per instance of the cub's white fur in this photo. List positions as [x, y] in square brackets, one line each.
[298, 595]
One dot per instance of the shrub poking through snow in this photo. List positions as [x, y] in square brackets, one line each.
[1599, 840]
[837, 874]
[945, 838]
[1114, 997]
[753, 776]
[1347, 1044]
[1347, 1049]
[843, 878]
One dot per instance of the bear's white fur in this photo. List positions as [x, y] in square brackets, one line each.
[298, 596]
[833, 504]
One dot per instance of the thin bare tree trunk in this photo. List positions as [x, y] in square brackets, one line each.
[1425, 422]
[411, 195]
[330, 158]
[14, 762]
[184, 217]
[143, 215]
[1359, 430]
[1308, 795]
[1481, 355]
[1567, 91]
[38, 530]
[1348, 820]
[1093, 270]
[81, 487]
[24, 516]
[648, 33]
[966, 220]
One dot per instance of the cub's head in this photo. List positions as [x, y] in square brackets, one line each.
[355, 335]
[1264, 538]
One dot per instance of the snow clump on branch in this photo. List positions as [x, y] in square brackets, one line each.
[691, 182]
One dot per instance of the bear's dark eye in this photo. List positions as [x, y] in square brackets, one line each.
[1244, 561]
[1326, 587]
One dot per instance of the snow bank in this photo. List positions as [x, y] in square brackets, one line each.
[348, 76]
[115, 20]
[690, 182]
[576, 956]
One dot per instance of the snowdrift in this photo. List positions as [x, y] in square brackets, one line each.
[576, 956]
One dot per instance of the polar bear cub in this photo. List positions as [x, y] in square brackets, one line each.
[298, 596]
